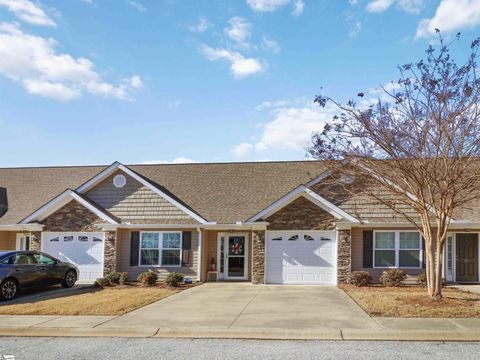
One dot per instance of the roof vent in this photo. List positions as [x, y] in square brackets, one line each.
[119, 181]
[3, 201]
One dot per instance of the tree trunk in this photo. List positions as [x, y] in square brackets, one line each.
[438, 272]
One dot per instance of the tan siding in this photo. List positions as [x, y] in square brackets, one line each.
[136, 203]
[123, 256]
[8, 240]
[357, 254]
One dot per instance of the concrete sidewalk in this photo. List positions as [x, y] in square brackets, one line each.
[384, 329]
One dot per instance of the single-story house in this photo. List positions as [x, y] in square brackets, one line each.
[266, 222]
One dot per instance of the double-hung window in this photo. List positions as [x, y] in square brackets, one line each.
[397, 249]
[161, 248]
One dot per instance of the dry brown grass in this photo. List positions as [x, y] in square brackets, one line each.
[412, 301]
[95, 301]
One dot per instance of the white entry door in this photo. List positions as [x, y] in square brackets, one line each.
[85, 250]
[233, 256]
[23, 242]
[301, 257]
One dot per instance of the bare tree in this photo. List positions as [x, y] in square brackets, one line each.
[419, 142]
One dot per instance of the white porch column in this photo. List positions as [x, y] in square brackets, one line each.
[199, 254]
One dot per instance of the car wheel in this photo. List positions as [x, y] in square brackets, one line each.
[70, 279]
[8, 289]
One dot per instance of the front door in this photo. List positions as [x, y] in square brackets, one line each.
[232, 253]
[23, 242]
[467, 257]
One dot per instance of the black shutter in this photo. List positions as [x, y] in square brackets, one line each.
[423, 253]
[368, 249]
[187, 248]
[134, 247]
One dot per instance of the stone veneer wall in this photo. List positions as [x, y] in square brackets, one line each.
[109, 255]
[344, 258]
[301, 214]
[35, 239]
[258, 257]
[72, 217]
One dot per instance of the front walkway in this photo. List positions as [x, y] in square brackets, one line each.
[241, 310]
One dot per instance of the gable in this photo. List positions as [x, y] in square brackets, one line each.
[135, 202]
[301, 214]
[72, 217]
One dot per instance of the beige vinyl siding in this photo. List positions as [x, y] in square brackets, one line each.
[357, 254]
[8, 240]
[123, 256]
[136, 203]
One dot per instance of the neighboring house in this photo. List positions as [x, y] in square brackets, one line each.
[269, 222]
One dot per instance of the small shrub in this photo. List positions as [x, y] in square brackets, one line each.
[422, 280]
[123, 279]
[174, 278]
[113, 278]
[102, 282]
[360, 278]
[148, 278]
[393, 277]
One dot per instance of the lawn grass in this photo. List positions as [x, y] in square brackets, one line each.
[93, 301]
[413, 302]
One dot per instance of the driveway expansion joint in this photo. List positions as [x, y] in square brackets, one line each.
[244, 308]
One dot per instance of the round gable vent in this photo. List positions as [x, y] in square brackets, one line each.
[119, 181]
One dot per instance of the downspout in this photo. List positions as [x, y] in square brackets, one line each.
[199, 255]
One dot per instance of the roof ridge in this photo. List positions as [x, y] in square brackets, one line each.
[166, 164]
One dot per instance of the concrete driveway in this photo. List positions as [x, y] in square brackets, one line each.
[243, 305]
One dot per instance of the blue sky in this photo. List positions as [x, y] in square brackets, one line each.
[93, 81]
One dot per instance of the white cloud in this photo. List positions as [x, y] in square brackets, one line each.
[242, 150]
[240, 65]
[177, 160]
[33, 62]
[136, 82]
[239, 30]
[379, 6]
[353, 2]
[298, 6]
[266, 5]
[450, 16]
[409, 6]
[291, 128]
[138, 6]
[273, 5]
[270, 44]
[356, 29]
[49, 89]
[201, 26]
[27, 11]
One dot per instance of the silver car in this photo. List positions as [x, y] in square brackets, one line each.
[28, 269]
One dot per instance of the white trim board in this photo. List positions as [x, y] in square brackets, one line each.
[310, 195]
[118, 166]
[60, 201]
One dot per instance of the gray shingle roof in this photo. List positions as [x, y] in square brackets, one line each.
[221, 192]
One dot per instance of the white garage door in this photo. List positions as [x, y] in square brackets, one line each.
[301, 257]
[85, 250]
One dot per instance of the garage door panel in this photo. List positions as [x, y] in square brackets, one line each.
[306, 257]
[85, 250]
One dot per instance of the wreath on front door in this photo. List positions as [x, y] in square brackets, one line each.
[236, 248]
